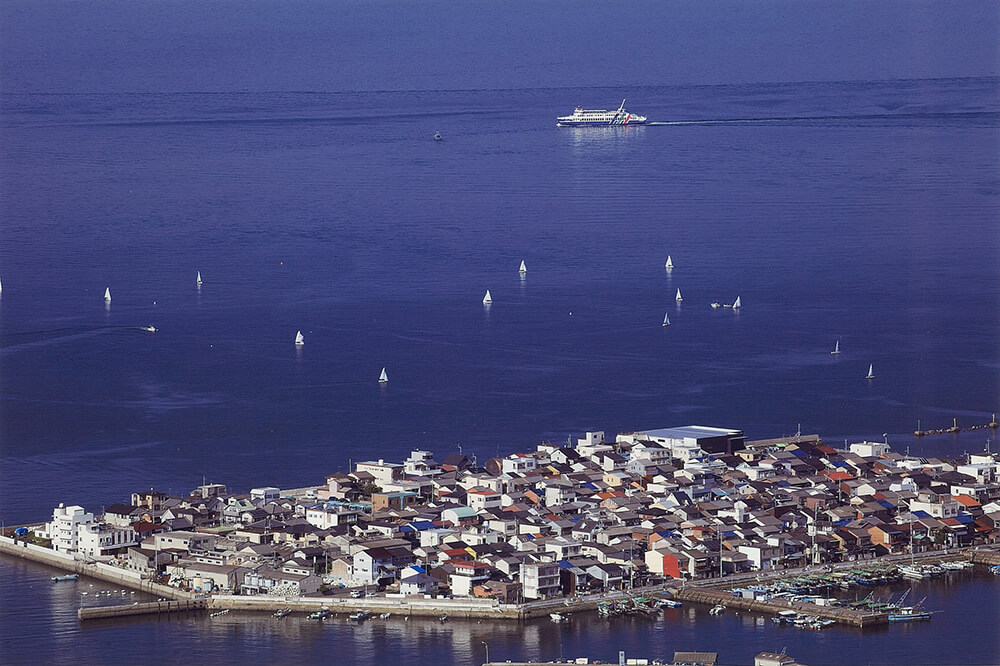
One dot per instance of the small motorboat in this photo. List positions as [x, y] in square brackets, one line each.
[66, 577]
[437, 136]
[151, 329]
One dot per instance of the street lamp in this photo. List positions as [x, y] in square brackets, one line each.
[487, 650]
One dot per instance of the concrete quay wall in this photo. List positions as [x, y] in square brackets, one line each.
[838, 614]
[453, 608]
[67, 562]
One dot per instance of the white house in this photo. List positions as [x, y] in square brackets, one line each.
[481, 499]
[870, 449]
[382, 471]
[266, 494]
[325, 516]
[99, 539]
[518, 463]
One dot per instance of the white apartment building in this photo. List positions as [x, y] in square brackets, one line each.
[540, 580]
[64, 528]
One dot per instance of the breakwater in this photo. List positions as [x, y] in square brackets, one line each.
[992, 425]
[151, 608]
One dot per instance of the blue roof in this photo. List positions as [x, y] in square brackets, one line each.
[565, 564]
[921, 514]
[964, 518]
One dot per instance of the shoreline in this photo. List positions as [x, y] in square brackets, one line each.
[704, 591]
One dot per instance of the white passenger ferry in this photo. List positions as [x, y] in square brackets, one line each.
[582, 116]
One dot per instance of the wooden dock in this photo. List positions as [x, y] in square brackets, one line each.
[151, 608]
[839, 614]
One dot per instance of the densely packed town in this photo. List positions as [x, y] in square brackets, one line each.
[675, 503]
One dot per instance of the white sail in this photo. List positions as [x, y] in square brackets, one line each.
[1, 286]
[107, 294]
[383, 378]
[736, 303]
[836, 348]
[523, 268]
[299, 338]
[871, 371]
[678, 296]
[487, 299]
[198, 279]
[666, 319]
[669, 264]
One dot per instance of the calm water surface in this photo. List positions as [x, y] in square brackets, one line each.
[286, 153]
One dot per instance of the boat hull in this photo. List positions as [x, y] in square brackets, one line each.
[601, 123]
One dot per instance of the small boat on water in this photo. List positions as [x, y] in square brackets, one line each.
[836, 347]
[437, 136]
[737, 304]
[487, 299]
[383, 378]
[282, 612]
[669, 264]
[717, 610]
[151, 329]
[198, 278]
[871, 371]
[384, 616]
[107, 294]
[220, 613]
[909, 614]
[678, 296]
[66, 577]
[320, 614]
[558, 617]
[666, 319]
[716, 305]
[523, 269]
[299, 338]
[360, 616]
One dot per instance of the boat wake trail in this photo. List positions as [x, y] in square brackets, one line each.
[22, 341]
[833, 119]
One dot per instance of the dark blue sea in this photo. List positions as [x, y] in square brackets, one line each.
[836, 166]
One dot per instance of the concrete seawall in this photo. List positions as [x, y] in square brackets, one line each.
[65, 561]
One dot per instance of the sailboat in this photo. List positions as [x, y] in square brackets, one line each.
[299, 338]
[487, 299]
[1, 286]
[666, 319]
[836, 348]
[736, 303]
[383, 378]
[678, 296]
[669, 264]
[107, 294]
[198, 279]
[523, 268]
[871, 371]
